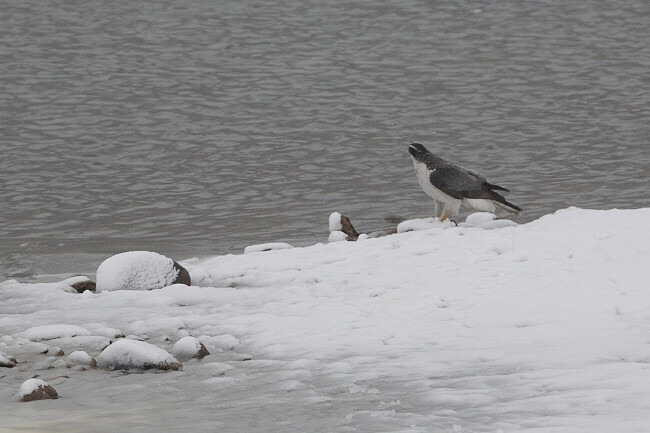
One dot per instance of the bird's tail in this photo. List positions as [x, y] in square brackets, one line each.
[493, 187]
[505, 204]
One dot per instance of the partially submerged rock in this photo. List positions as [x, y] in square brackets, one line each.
[140, 270]
[126, 354]
[36, 389]
[7, 361]
[189, 347]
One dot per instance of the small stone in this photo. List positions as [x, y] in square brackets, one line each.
[56, 351]
[36, 389]
[83, 286]
[188, 348]
[80, 357]
[183, 276]
[7, 361]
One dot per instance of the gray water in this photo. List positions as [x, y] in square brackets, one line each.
[198, 128]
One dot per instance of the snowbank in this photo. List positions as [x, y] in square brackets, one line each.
[539, 327]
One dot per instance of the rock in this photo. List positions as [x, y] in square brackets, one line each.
[128, 354]
[56, 351]
[341, 224]
[183, 276]
[83, 286]
[189, 347]
[140, 270]
[36, 389]
[79, 357]
[6, 361]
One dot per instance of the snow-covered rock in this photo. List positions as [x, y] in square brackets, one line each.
[337, 236]
[220, 342]
[79, 357]
[128, 354]
[36, 389]
[50, 332]
[335, 222]
[7, 361]
[189, 347]
[267, 247]
[139, 270]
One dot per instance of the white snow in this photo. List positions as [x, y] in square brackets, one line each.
[267, 247]
[80, 357]
[126, 354]
[538, 327]
[335, 222]
[29, 386]
[50, 332]
[135, 270]
[337, 236]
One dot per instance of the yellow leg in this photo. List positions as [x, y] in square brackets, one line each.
[444, 216]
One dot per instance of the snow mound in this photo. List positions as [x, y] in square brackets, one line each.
[189, 347]
[267, 247]
[486, 220]
[423, 224]
[220, 342]
[127, 354]
[50, 332]
[337, 236]
[335, 222]
[136, 270]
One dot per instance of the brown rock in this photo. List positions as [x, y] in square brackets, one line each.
[43, 392]
[183, 276]
[203, 351]
[348, 228]
[82, 286]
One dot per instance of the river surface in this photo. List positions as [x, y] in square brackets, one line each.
[198, 128]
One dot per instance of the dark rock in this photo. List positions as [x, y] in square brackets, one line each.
[82, 286]
[183, 276]
[42, 391]
[203, 352]
[8, 362]
[348, 228]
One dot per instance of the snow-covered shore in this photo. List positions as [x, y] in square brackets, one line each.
[538, 327]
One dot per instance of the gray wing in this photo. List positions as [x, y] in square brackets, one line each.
[460, 184]
[457, 182]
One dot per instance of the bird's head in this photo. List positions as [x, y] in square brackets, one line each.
[418, 151]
